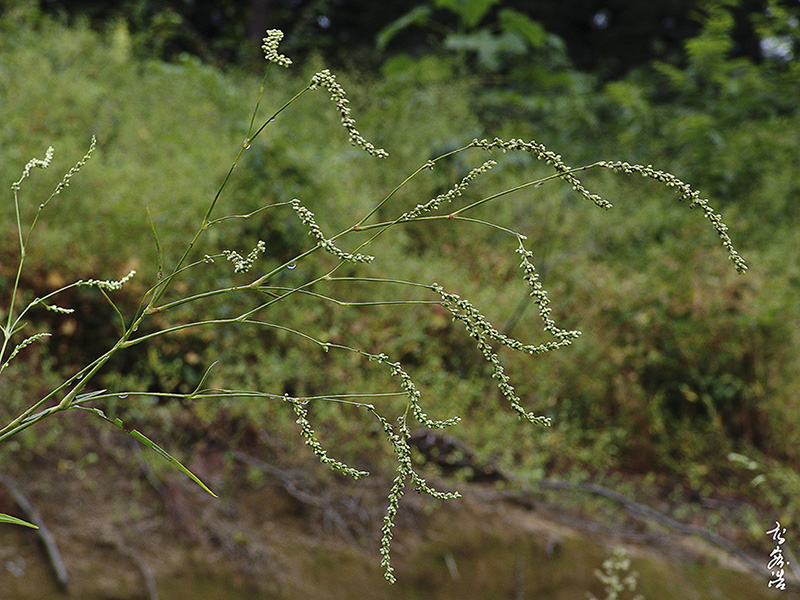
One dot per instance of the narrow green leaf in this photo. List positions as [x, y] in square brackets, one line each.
[89, 395]
[203, 379]
[15, 521]
[145, 441]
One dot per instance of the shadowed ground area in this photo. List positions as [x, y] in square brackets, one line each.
[124, 534]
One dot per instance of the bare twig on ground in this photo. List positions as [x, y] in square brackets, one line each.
[289, 484]
[451, 454]
[644, 512]
[47, 539]
[144, 570]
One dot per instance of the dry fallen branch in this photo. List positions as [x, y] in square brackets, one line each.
[290, 485]
[452, 454]
[47, 539]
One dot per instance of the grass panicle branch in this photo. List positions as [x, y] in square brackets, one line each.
[686, 193]
[327, 80]
[307, 218]
[34, 163]
[406, 474]
[307, 431]
[549, 157]
[449, 195]
[241, 264]
[262, 294]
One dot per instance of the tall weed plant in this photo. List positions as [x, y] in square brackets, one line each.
[228, 278]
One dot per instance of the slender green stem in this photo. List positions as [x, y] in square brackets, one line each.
[453, 217]
[9, 329]
[82, 377]
[175, 328]
[196, 297]
[248, 215]
[381, 280]
[534, 183]
[297, 332]
[258, 102]
[427, 165]
[207, 216]
[223, 393]
[344, 303]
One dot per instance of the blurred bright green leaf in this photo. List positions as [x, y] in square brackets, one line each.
[470, 11]
[532, 32]
[15, 521]
[144, 440]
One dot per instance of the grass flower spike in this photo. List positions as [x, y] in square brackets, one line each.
[310, 308]
[327, 80]
[270, 48]
[41, 163]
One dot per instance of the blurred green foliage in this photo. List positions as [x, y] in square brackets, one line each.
[682, 361]
[608, 37]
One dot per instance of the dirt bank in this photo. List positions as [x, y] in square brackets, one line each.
[126, 532]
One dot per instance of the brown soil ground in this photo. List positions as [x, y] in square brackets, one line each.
[125, 532]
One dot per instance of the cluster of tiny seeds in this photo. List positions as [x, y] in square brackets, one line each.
[312, 442]
[551, 158]
[478, 326]
[23, 344]
[539, 295]
[106, 284]
[686, 193]
[307, 217]
[59, 309]
[480, 329]
[78, 166]
[614, 568]
[405, 473]
[270, 48]
[32, 164]
[414, 395]
[449, 195]
[242, 264]
[327, 80]
[395, 495]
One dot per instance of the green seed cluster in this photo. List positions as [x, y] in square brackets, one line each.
[326, 79]
[78, 166]
[686, 193]
[23, 344]
[551, 158]
[106, 284]
[449, 195]
[312, 442]
[59, 309]
[617, 576]
[482, 331]
[270, 48]
[243, 264]
[413, 395]
[479, 327]
[45, 162]
[307, 217]
[539, 295]
[405, 474]
[34, 163]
